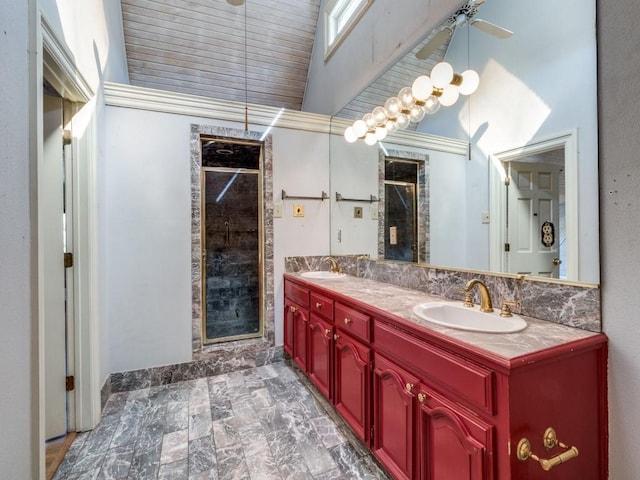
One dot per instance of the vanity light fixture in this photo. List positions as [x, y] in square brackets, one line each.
[424, 97]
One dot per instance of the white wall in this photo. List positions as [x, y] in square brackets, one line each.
[384, 34]
[619, 64]
[18, 308]
[539, 83]
[145, 190]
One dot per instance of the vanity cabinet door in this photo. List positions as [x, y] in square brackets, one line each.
[300, 322]
[452, 443]
[289, 311]
[352, 384]
[320, 343]
[394, 410]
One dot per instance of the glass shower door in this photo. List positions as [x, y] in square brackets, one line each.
[232, 254]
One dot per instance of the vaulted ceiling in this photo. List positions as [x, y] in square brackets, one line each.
[200, 47]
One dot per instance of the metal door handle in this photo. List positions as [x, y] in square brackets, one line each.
[557, 261]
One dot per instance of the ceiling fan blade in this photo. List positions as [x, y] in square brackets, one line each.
[491, 29]
[433, 44]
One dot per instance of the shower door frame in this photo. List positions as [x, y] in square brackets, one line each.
[203, 264]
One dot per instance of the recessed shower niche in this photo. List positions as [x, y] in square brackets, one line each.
[231, 232]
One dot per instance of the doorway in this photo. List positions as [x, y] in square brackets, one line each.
[533, 201]
[400, 210]
[56, 229]
[232, 250]
[535, 226]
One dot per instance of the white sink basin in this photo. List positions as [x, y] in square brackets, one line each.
[465, 318]
[322, 274]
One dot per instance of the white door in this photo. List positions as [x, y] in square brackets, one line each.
[51, 237]
[533, 229]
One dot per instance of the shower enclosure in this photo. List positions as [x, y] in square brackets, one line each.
[231, 239]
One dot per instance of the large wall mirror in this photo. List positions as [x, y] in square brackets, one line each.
[510, 170]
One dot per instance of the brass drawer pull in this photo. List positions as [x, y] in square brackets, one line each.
[336, 336]
[409, 387]
[550, 440]
[327, 332]
[422, 397]
[293, 309]
[318, 305]
[347, 321]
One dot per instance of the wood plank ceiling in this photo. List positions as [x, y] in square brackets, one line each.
[198, 47]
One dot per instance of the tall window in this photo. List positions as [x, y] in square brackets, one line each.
[340, 17]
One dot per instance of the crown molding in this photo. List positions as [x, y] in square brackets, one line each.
[142, 98]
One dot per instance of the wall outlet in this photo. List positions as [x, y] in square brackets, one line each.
[277, 210]
[357, 212]
[298, 210]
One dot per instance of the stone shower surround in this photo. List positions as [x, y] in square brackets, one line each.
[222, 357]
[573, 305]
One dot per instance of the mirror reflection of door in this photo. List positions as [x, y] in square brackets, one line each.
[535, 228]
[400, 236]
[231, 240]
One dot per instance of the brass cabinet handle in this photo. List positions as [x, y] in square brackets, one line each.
[318, 305]
[336, 336]
[293, 309]
[550, 440]
[327, 332]
[409, 387]
[347, 321]
[422, 397]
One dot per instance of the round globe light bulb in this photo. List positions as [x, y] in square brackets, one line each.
[370, 121]
[349, 135]
[442, 74]
[431, 105]
[422, 88]
[359, 128]
[380, 133]
[393, 107]
[380, 114]
[406, 98]
[470, 82]
[391, 126]
[402, 121]
[416, 114]
[449, 96]
[370, 139]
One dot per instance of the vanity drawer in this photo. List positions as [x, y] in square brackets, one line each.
[322, 305]
[354, 322]
[467, 380]
[298, 294]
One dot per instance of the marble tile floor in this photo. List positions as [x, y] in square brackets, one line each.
[256, 424]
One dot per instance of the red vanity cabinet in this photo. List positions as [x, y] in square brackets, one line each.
[432, 408]
[320, 353]
[452, 442]
[394, 413]
[352, 395]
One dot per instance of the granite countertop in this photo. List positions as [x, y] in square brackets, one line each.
[537, 336]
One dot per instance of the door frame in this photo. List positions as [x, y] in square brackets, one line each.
[497, 208]
[58, 67]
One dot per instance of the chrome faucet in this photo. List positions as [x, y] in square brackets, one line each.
[485, 297]
[335, 267]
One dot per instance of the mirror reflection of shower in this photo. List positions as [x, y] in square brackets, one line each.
[231, 239]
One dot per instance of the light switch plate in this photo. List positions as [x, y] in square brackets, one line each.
[277, 210]
[298, 210]
[374, 212]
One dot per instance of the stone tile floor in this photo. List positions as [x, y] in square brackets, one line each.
[256, 424]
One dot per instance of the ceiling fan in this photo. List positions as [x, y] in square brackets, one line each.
[465, 15]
